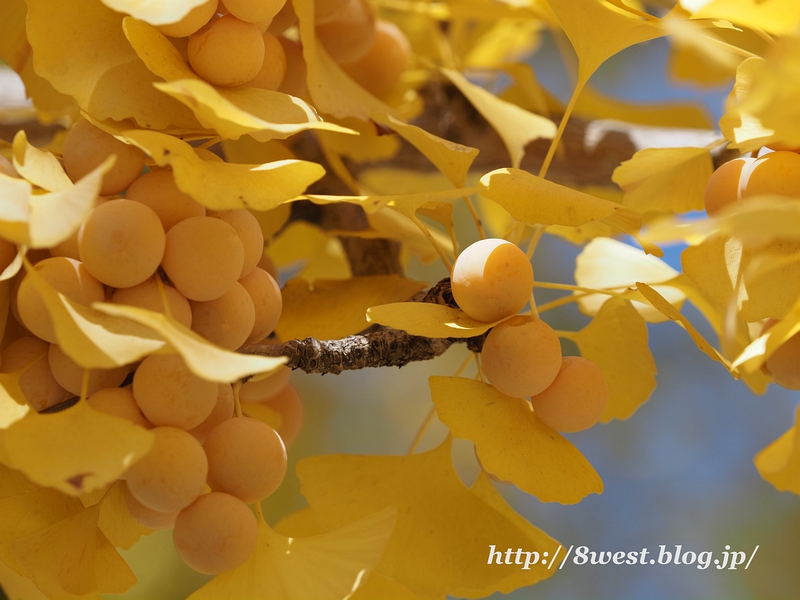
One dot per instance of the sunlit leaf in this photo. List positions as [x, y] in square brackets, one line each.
[225, 186]
[535, 201]
[671, 180]
[512, 442]
[778, 17]
[607, 264]
[387, 223]
[328, 566]
[308, 247]
[201, 357]
[740, 126]
[155, 12]
[430, 320]
[368, 146]
[452, 159]
[75, 450]
[616, 341]
[779, 463]
[441, 525]
[39, 166]
[516, 126]
[307, 307]
[79, 47]
[756, 354]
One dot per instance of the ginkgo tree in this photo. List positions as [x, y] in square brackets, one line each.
[294, 131]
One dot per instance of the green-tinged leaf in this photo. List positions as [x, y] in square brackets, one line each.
[665, 180]
[39, 167]
[512, 442]
[201, 357]
[453, 160]
[329, 566]
[779, 463]
[538, 201]
[616, 341]
[430, 320]
[307, 307]
[672, 313]
[516, 126]
[79, 47]
[75, 450]
[441, 540]
[607, 264]
[225, 186]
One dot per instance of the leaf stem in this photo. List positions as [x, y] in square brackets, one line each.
[237, 403]
[476, 217]
[432, 240]
[560, 131]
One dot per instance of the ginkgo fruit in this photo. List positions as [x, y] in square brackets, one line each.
[169, 394]
[225, 321]
[172, 474]
[216, 533]
[724, 185]
[273, 69]
[222, 411]
[380, 69]
[65, 275]
[249, 231]
[226, 52]
[774, 173]
[267, 302]
[69, 374]
[148, 517]
[246, 458]
[350, 35]
[147, 295]
[492, 279]
[158, 191]
[294, 79]
[121, 243]
[192, 21]
[288, 404]
[521, 356]
[576, 399]
[203, 257]
[87, 146]
[119, 402]
[266, 388]
[37, 383]
[328, 10]
[254, 11]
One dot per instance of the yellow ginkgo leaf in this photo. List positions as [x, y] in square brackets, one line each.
[779, 463]
[772, 280]
[307, 306]
[15, 209]
[75, 450]
[673, 314]
[309, 247]
[14, 483]
[430, 320]
[512, 442]
[331, 90]
[302, 524]
[329, 566]
[263, 413]
[391, 224]
[28, 513]
[616, 341]
[115, 521]
[598, 31]
[441, 525]
[759, 350]
[109, 84]
[13, 405]
[73, 556]
[155, 12]
[201, 357]
[779, 17]
[665, 180]
[607, 264]
[516, 126]
[407, 204]
[39, 166]
[538, 541]
[92, 339]
[370, 145]
[17, 586]
[538, 201]
[741, 127]
[452, 159]
[225, 186]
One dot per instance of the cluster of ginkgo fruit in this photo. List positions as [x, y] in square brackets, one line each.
[158, 249]
[243, 42]
[772, 174]
[492, 280]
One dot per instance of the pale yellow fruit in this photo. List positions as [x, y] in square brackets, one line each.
[227, 52]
